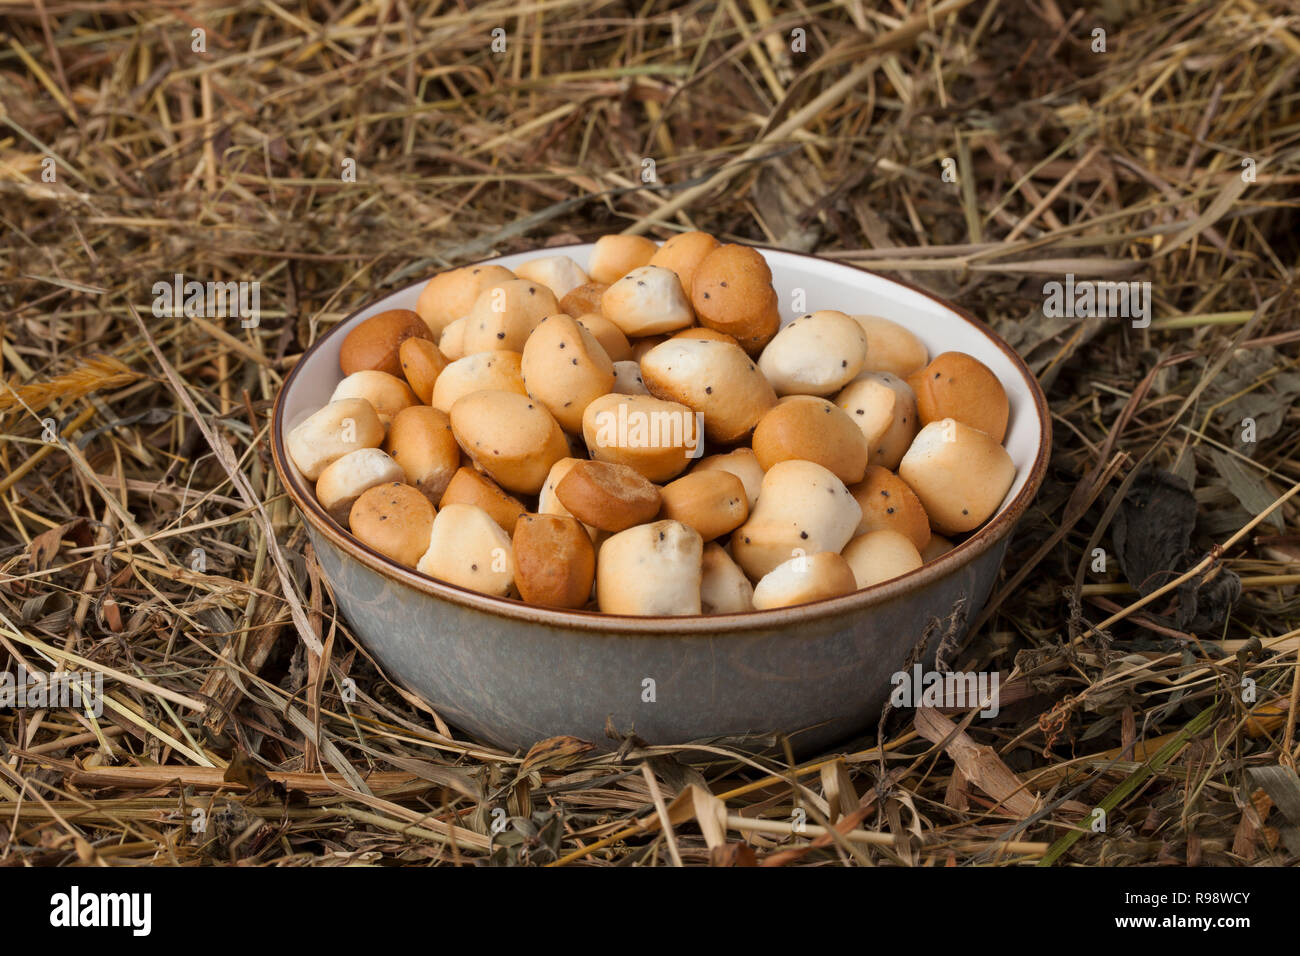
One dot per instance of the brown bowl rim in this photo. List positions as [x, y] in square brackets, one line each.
[914, 581]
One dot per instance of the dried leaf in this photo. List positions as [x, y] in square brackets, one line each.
[837, 785]
[244, 771]
[1282, 785]
[555, 753]
[1153, 528]
[707, 810]
[1247, 486]
[980, 764]
[733, 854]
[46, 545]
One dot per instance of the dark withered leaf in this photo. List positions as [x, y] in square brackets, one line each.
[1203, 606]
[1153, 528]
[1247, 486]
[510, 838]
[1251, 388]
[676, 775]
[627, 740]
[1099, 727]
[552, 831]
[245, 771]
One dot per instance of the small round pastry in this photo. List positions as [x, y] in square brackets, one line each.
[643, 345]
[565, 368]
[375, 342]
[450, 295]
[395, 520]
[628, 380]
[814, 429]
[511, 437]
[344, 479]
[421, 364]
[607, 496]
[731, 292]
[884, 407]
[451, 343]
[804, 578]
[891, 348]
[741, 462]
[469, 549]
[560, 274]
[331, 432]
[712, 502]
[880, 555]
[700, 333]
[724, 589]
[503, 317]
[716, 379]
[499, 371]
[584, 300]
[937, 547]
[657, 438]
[470, 487]
[613, 257]
[960, 386]
[801, 506]
[652, 569]
[887, 502]
[555, 563]
[421, 441]
[647, 301]
[547, 501]
[816, 354]
[610, 337]
[386, 393]
[683, 254]
[960, 474]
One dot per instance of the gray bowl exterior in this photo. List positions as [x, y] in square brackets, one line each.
[513, 674]
[513, 683]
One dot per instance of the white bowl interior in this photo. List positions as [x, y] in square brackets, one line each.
[824, 285]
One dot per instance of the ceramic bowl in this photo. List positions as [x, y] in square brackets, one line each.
[512, 674]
